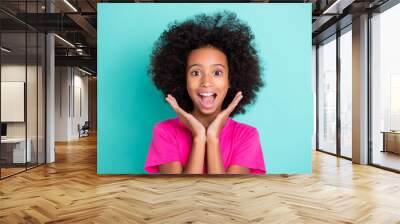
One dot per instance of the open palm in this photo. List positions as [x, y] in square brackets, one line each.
[218, 123]
[194, 125]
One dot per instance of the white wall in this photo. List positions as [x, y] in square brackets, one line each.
[62, 82]
[79, 117]
[70, 83]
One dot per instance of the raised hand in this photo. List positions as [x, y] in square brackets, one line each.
[195, 164]
[216, 125]
[194, 125]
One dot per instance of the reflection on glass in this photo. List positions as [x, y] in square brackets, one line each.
[41, 98]
[327, 96]
[31, 101]
[386, 88]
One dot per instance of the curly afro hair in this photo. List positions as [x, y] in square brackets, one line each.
[223, 31]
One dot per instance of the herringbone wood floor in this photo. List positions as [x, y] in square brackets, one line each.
[70, 191]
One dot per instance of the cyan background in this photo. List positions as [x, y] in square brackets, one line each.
[129, 105]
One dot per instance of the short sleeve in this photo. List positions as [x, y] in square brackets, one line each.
[163, 148]
[248, 152]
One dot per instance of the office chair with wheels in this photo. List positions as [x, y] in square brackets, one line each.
[84, 130]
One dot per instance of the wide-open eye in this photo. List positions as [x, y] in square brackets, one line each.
[195, 73]
[218, 73]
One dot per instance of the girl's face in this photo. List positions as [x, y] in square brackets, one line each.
[207, 79]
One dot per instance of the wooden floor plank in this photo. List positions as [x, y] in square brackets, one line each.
[70, 191]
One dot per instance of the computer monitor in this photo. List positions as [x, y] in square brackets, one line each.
[3, 129]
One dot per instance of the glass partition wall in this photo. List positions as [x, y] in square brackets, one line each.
[334, 110]
[385, 89]
[327, 95]
[345, 62]
[22, 93]
[334, 95]
[13, 110]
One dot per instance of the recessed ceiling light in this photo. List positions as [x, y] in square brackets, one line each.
[338, 6]
[5, 50]
[84, 71]
[70, 5]
[64, 40]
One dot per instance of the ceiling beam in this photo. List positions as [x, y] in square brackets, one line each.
[83, 61]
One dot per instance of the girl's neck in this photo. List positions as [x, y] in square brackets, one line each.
[205, 119]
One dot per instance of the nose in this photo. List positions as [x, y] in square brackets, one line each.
[206, 80]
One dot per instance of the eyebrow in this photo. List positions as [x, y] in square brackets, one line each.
[202, 65]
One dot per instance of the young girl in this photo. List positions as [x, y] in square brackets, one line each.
[209, 70]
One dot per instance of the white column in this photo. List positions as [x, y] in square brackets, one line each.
[50, 92]
[50, 100]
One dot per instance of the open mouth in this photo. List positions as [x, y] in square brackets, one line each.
[207, 99]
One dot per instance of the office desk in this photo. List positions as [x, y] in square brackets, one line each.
[16, 147]
[391, 141]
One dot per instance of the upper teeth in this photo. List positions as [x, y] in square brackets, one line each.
[206, 94]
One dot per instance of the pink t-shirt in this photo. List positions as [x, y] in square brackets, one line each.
[172, 141]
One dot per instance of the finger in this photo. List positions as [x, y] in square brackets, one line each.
[175, 106]
[171, 102]
[234, 102]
